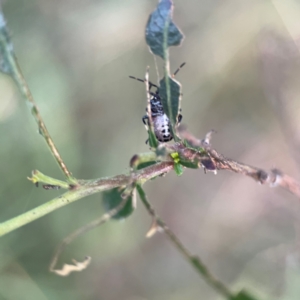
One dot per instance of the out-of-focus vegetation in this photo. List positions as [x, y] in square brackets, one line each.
[241, 79]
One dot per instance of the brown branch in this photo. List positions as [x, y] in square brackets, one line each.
[217, 161]
[201, 154]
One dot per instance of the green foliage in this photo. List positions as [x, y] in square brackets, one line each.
[6, 47]
[159, 22]
[153, 142]
[188, 145]
[190, 164]
[178, 168]
[161, 33]
[145, 165]
[243, 296]
[112, 198]
[171, 102]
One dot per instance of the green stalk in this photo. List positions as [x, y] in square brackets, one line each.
[10, 66]
[194, 261]
[167, 76]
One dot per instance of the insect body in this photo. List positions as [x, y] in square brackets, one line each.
[160, 120]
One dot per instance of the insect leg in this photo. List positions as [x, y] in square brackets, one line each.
[179, 118]
[145, 120]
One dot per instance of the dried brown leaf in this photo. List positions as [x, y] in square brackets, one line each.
[76, 267]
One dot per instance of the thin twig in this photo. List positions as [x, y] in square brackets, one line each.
[211, 160]
[273, 178]
[84, 189]
[150, 123]
[9, 65]
[194, 261]
[211, 157]
[84, 229]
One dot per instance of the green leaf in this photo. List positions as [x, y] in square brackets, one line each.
[196, 148]
[145, 164]
[159, 21]
[153, 142]
[143, 160]
[190, 164]
[112, 198]
[175, 156]
[178, 168]
[243, 296]
[6, 47]
[171, 107]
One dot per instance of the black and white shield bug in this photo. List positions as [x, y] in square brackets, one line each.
[161, 122]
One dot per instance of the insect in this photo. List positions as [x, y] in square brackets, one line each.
[160, 120]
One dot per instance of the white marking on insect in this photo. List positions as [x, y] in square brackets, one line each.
[162, 129]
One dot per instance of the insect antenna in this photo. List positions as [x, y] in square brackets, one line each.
[154, 85]
[143, 80]
[178, 69]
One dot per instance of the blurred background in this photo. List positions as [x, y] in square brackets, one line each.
[241, 79]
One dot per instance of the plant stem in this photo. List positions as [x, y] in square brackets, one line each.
[195, 261]
[38, 177]
[46, 208]
[10, 66]
[167, 71]
[84, 188]
[84, 229]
